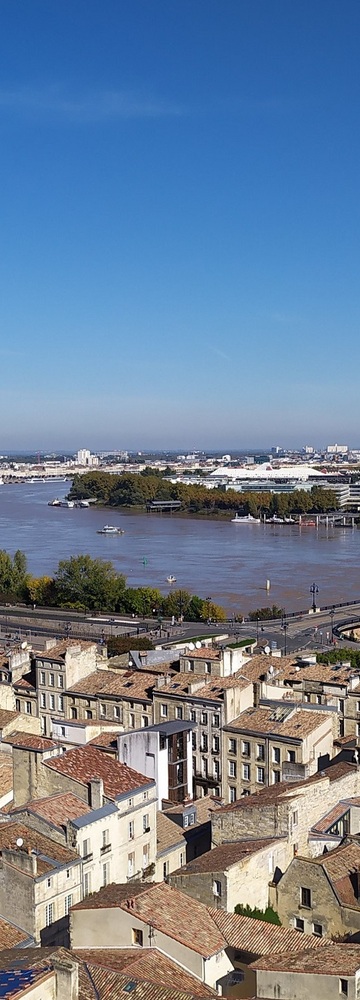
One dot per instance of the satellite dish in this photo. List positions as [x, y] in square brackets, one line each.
[24, 645]
[267, 650]
[198, 645]
[297, 667]
[271, 669]
[130, 664]
[19, 842]
[191, 645]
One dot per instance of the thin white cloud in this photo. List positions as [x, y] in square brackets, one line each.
[86, 107]
[220, 354]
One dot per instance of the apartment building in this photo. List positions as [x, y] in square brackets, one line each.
[262, 741]
[286, 809]
[171, 847]
[336, 686]
[215, 661]
[209, 703]
[327, 974]
[110, 696]
[59, 666]
[39, 881]
[163, 753]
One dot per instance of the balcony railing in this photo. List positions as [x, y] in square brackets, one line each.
[105, 849]
[88, 857]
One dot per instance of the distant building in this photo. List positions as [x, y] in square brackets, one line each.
[84, 457]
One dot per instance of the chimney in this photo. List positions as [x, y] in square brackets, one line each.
[96, 793]
[66, 979]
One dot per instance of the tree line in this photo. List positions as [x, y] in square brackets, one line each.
[139, 489]
[85, 584]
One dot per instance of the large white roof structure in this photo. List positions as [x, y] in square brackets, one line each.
[267, 471]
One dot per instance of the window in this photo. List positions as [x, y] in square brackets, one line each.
[117, 712]
[318, 930]
[163, 711]
[131, 830]
[318, 699]
[232, 794]
[275, 777]
[87, 883]
[342, 704]
[232, 746]
[146, 855]
[271, 864]
[105, 839]
[299, 924]
[245, 748]
[216, 720]
[246, 772]
[216, 768]
[17, 704]
[102, 710]
[51, 680]
[28, 708]
[49, 914]
[193, 740]
[186, 819]
[130, 803]
[204, 767]
[144, 721]
[260, 751]
[204, 718]
[208, 668]
[73, 712]
[146, 795]
[216, 744]
[106, 873]
[68, 904]
[192, 715]
[60, 681]
[49, 883]
[344, 987]
[204, 742]
[62, 730]
[306, 697]
[295, 817]
[137, 936]
[181, 859]
[42, 677]
[132, 720]
[232, 768]
[305, 896]
[146, 823]
[43, 700]
[217, 887]
[179, 712]
[358, 706]
[68, 873]
[291, 756]
[88, 713]
[276, 755]
[260, 775]
[86, 848]
[165, 869]
[60, 703]
[52, 701]
[131, 865]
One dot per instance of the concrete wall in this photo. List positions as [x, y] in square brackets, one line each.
[246, 882]
[292, 986]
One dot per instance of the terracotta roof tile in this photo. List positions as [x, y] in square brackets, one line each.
[184, 919]
[56, 809]
[132, 684]
[59, 650]
[343, 960]
[147, 964]
[298, 724]
[11, 936]
[84, 763]
[169, 834]
[6, 773]
[54, 853]
[6, 717]
[30, 741]
[259, 938]
[206, 653]
[224, 856]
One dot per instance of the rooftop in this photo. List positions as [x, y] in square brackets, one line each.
[11, 936]
[30, 741]
[287, 721]
[166, 909]
[343, 960]
[50, 855]
[220, 858]
[6, 773]
[146, 964]
[257, 937]
[59, 650]
[169, 834]
[6, 717]
[131, 684]
[203, 807]
[56, 809]
[82, 764]
[205, 653]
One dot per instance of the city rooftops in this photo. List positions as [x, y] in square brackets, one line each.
[257, 937]
[146, 964]
[224, 856]
[31, 741]
[129, 684]
[83, 764]
[55, 809]
[341, 960]
[48, 853]
[59, 649]
[283, 791]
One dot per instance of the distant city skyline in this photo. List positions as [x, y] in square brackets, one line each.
[180, 223]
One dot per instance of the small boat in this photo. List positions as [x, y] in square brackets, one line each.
[54, 503]
[245, 519]
[289, 520]
[171, 579]
[109, 529]
[275, 520]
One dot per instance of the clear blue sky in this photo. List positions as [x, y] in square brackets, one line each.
[179, 192]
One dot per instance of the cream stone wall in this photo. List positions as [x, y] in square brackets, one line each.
[299, 986]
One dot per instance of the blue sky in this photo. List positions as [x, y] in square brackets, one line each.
[179, 207]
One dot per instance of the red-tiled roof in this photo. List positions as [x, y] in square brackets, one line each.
[56, 809]
[224, 856]
[257, 937]
[341, 960]
[30, 741]
[84, 763]
[146, 964]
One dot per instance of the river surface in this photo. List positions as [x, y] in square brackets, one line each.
[228, 562]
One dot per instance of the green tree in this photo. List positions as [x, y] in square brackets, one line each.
[269, 915]
[82, 582]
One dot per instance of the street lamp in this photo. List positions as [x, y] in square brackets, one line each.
[284, 626]
[257, 628]
[332, 615]
[313, 591]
